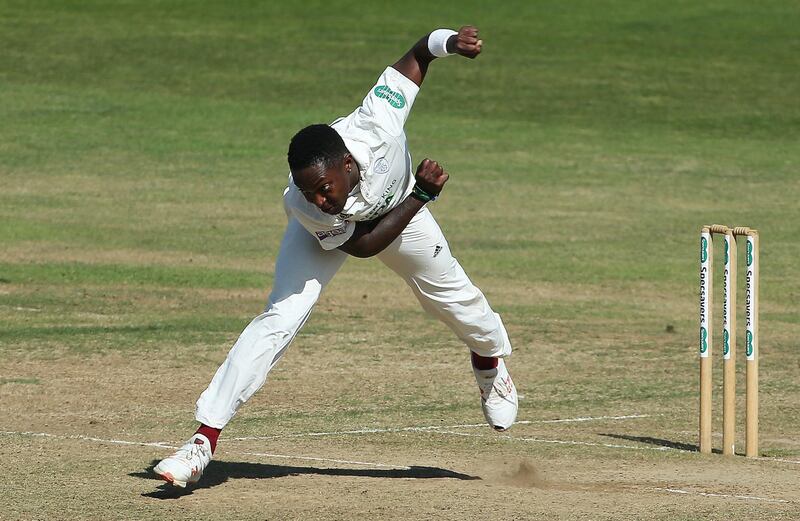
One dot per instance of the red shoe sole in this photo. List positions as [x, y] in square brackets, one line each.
[171, 480]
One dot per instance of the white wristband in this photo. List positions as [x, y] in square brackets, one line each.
[437, 42]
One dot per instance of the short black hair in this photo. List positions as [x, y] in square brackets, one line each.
[316, 145]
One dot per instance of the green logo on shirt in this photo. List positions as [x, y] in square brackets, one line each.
[395, 99]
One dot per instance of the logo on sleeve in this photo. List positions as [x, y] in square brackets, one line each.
[381, 166]
[394, 98]
[329, 233]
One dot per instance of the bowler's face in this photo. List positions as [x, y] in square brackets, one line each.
[325, 189]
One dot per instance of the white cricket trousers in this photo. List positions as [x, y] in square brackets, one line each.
[420, 255]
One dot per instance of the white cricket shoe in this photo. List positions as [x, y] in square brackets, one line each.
[498, 396]
[187, 464]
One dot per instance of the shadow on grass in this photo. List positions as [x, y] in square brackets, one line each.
[218, 472]
[688, 447]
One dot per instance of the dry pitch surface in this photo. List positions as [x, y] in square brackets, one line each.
[365, 431]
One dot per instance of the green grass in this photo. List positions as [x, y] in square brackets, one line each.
[19, 381]
[586, 147]
[80, 274]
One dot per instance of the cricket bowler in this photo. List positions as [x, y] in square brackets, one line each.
[353, 191]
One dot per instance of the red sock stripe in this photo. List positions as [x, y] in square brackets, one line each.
[211, 433]
[483, 362]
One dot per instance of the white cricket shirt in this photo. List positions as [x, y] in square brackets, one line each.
[374, 135]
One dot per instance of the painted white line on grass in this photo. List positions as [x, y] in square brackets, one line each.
[765, 458]
[162, 445]
[593, 418]
[726, 496]
[554, 442]
[158, 444]
[590, 444]
[428, 428]
[431, 429]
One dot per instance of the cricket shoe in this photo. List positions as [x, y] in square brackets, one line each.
[187, 464]
[498, 396]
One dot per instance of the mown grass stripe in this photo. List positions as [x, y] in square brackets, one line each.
[154, 275]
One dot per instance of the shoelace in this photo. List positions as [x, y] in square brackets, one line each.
[192, 452]
[485, 384]
[493, 382]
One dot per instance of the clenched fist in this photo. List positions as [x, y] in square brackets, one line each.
[466, 42]
[431, 177]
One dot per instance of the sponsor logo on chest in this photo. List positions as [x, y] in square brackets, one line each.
[386, 198]
[329, 233]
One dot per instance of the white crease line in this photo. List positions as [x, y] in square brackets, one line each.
[795, 462]
[158, 444]
[162, 445]
[437, 430]
[729, 496]
[428, 428]
[594, 418]
[590, 444]
[556, 442]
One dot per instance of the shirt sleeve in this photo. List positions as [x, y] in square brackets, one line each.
[329, 230]
[388, 104]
